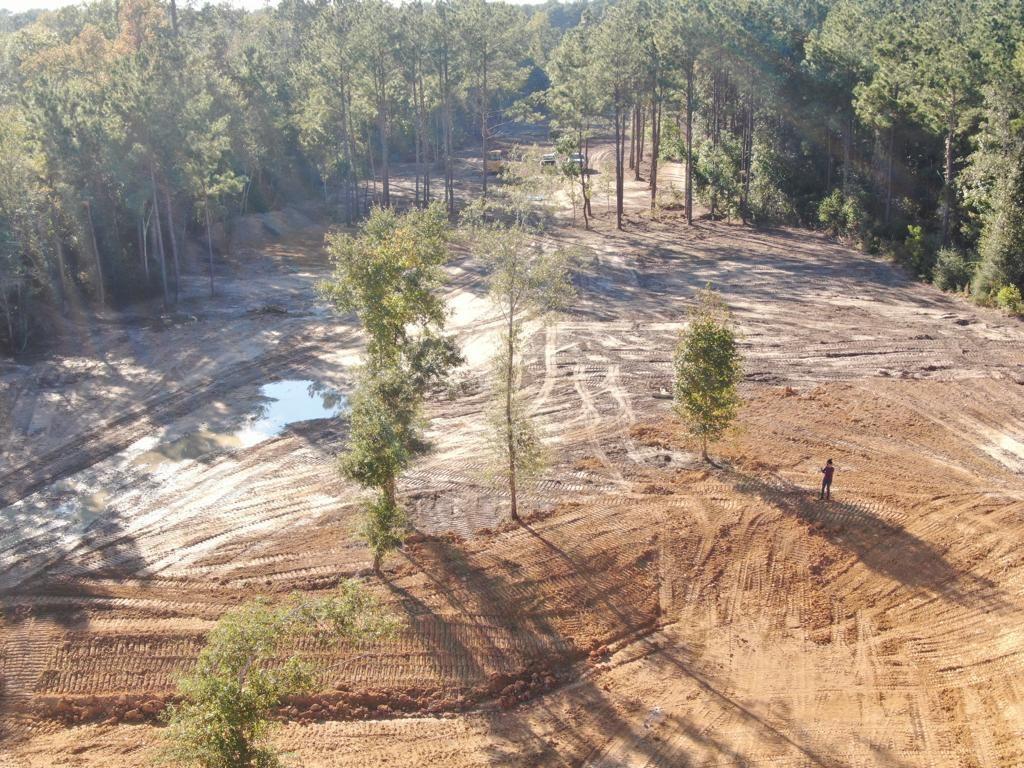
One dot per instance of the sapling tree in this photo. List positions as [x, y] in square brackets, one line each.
[240, 677]
[577, 184]
[708, 371]
[526, 283]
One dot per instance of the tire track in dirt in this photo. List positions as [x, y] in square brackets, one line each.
[715, 617]
[119, 432]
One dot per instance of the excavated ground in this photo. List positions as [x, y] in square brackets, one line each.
[651, 612]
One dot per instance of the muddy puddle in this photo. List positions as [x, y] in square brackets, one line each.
[278, 405]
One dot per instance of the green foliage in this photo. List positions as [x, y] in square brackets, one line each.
[716, 176]
[1009, 298]
[526, 282]
[240, 676]
[384, 433]
[953, 271]
[770, 200]
[116, 127]
[707, 371]
[513, 438]
[918, 251]
[384, 526]
[388, 276]
[841, 214]
[830, 213]
[1001, 249]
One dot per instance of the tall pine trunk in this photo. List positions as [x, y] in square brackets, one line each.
[586, 167]
[209, 238]
[748, 151]
[509, 421]
[583, 182]
[421, 113]
[689, 142]
[483, 122]
[888, 173]
[715, 99]
[847, 154]
[174, 243]
[58, 244]
[948, 174]
[449, 182]
[385, 168]
[620, 160]
[96, 255]
[655, 146]
[633, 129]
[159, 235]
[640, 136]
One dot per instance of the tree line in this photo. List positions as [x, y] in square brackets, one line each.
[132, 132]
[131, 128]
[898, 125]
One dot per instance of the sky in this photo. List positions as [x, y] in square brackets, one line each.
[17, 6]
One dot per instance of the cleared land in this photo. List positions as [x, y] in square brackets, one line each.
[652, 612]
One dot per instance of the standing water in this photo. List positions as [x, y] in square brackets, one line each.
[288, 402]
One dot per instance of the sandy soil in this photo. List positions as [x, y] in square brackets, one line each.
[652, 612]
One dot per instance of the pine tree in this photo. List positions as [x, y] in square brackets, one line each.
[708, 371]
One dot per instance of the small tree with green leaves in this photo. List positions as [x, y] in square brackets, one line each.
[526, 282]
[223, 719]
[527, 194]
[576, 179]
[389, 275]
[708, 371]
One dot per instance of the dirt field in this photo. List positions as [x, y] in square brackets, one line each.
[652, 612]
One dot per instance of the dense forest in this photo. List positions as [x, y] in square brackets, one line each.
[130, 128]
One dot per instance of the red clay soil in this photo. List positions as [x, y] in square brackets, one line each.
[652, 611]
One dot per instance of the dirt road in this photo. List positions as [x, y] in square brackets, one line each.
[653, 612]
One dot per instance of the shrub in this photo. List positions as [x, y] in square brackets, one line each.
[953, 270]
[715, 176]
[842, 215]
[853, 216]
[1009, 298]
[918, 251]
[830, 212]
[223, 719]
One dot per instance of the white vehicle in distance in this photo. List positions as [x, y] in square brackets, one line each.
[577, 159]
[549, 159]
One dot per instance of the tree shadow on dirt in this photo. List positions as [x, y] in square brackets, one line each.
[640, 733]
[751, 266]
[587, 570]
[884, 547]
[504, 624]
[447, 652]
[674, 664]
[496, 626]
[519, 609]
[61, 583]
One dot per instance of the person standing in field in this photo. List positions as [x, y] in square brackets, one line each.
[826, 481]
